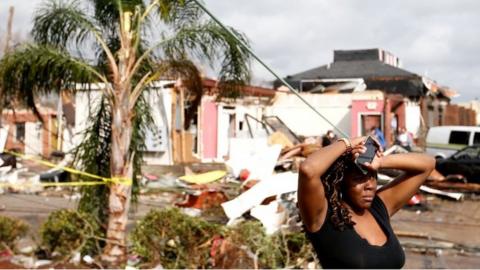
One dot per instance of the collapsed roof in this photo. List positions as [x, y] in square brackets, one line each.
[378, 68]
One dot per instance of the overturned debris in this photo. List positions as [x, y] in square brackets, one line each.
[457, 186]
[274, 185]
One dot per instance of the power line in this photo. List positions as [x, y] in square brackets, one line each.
[246, 47]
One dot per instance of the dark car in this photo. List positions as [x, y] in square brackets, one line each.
[465, 162]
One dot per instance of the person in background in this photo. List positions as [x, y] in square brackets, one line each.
[411, 140]
[378, 134]
[404, 139]
[328, 138]
[345, 217]
[393, 127]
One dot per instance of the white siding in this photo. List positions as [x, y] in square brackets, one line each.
[33, 138]
[159, 143]
[304, 121]
[412, 117]
[86, 103]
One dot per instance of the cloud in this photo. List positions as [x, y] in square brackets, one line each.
[22, 17]
[436, 37]
[433, 37]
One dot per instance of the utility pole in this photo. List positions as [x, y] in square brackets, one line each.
[8, 38]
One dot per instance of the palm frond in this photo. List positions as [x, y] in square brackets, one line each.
[90, 156]
[58, 23]
[192, 80]
[210, 42]
[35, 70]
[107, 12]
[142, 122]
[235, 64]
[178, 13]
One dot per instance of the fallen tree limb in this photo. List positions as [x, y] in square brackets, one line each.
[470, 187]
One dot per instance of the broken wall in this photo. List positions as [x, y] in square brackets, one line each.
[27, 134]
[304, 121]
[158, 141]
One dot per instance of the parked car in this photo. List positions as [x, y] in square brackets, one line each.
[465, 162]
[443, 141]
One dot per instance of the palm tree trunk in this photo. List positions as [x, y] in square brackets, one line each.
[119, 198]
[121, 160]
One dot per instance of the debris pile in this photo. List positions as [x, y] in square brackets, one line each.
[240, 214]
[24, 174]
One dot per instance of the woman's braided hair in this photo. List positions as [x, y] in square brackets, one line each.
[332, 182]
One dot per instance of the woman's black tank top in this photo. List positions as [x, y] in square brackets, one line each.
[347, 249]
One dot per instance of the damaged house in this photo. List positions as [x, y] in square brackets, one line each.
[410, 100]
[25, 133]
[361, 89]
[219, 121]
[211, 125]
[341, 109]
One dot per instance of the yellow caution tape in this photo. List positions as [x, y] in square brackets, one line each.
[52, 184]
[104, 180]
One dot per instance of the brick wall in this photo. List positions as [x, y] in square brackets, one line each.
[455, 115]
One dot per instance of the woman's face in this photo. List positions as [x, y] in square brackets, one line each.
[359, 190]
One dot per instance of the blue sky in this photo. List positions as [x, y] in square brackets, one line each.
[436, 38]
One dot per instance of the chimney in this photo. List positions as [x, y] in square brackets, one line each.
[366, 55]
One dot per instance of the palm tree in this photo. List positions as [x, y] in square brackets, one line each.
[124, 45]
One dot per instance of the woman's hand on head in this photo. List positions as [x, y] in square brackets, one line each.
[358, 149]
[375, 165]
[358, 141]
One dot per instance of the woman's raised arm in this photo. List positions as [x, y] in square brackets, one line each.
[311, 195]
[417, 168]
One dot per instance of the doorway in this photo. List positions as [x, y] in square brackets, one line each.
[369, 121]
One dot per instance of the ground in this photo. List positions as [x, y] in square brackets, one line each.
[445, 236]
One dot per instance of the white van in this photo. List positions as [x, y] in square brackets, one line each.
[443, 141]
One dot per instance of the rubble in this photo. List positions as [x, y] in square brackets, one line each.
[276, 184]
[255, 155]
[204, 178]
[453, 195]
[260, 183]
[272, 216]
[203, 199]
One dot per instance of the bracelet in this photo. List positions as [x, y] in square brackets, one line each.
[347, 143]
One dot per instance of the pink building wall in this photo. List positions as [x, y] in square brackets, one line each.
[365, 107]
[209, 129]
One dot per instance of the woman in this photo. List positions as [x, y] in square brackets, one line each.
[346, 218]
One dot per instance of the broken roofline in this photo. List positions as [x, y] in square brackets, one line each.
[101, 86]
[207, 83]
[376, 66]
[246, 89]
